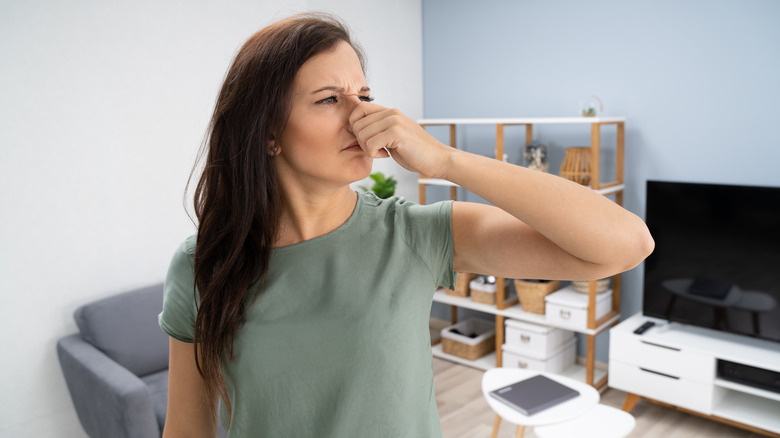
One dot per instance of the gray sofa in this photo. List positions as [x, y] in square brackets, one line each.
[116, 367]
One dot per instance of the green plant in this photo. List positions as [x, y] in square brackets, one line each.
[384, 187]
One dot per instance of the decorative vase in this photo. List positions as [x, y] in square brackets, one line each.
[536, 156]
[576, 165]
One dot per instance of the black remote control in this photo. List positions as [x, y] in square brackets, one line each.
[644, 327]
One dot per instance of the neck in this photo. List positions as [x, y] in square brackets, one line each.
[309, 214]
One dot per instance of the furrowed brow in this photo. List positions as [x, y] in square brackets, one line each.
[338, 90]
[329, 88]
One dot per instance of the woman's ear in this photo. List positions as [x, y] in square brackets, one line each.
[273, 148]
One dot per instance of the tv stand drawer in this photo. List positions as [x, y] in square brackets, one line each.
[661, 386]
[637, 350]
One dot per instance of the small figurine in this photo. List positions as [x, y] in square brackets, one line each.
[536, 156]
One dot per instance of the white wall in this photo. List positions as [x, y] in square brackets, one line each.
[103, 106]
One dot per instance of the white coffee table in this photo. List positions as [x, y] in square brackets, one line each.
[499, 377]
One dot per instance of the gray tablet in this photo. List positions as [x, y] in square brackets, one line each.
[534, 394]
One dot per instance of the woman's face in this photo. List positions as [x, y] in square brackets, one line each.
[317, 146]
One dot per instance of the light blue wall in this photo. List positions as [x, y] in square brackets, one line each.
[699, 83]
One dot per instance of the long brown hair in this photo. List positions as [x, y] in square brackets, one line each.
[237, 199]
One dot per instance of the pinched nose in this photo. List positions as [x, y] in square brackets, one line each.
[352, 101]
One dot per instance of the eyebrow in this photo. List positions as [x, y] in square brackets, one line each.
[338, 89]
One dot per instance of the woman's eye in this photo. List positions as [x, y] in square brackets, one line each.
[334, 99]
[331, 99]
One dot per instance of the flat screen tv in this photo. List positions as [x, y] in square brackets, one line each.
[716, 262]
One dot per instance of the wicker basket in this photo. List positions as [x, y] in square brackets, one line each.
[582, 286]
[531, 294]
[466, 347]
[485, 293]
[483, 297]
[461, 285]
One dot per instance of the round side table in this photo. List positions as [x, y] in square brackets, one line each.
[600, 422]
[499, 377]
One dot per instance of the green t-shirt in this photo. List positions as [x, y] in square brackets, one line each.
[338, 344]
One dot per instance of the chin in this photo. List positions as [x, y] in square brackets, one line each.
[359, 172]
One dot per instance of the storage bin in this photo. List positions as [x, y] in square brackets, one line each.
[485, 293]
[535, 338]
[570, 309]
[531, 294]
[455, 339]
[461, 285]
[583, 286]
[558, 361]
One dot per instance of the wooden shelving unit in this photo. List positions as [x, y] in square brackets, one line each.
[510, 308]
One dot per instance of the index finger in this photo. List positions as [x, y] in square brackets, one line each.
[362, 110]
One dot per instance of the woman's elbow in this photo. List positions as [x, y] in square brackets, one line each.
[640, 245]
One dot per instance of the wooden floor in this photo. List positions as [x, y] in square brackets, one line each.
[465, 414]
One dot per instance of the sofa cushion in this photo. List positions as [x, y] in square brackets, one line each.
[125, 328]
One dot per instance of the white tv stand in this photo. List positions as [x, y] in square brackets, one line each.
[676, 364]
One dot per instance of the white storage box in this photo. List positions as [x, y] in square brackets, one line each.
[535, 338]
[557, 362]
[455, 339]
[570, 309]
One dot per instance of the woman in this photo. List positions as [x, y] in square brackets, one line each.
[310, 302]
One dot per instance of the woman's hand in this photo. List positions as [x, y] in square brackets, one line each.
[378, 129]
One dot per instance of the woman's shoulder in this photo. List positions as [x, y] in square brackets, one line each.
[187, 246]
[401, 204]
[177, 318]
[393, 203]
[383, 208]
[407, 214]
[372, 200]
[184, 255]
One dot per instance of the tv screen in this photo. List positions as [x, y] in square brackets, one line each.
[716, 262]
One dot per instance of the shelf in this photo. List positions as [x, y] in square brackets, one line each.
[523, 121]
[436, 182]
[749, 409]
[748, 389]
[514, 312]
[487, 362]
[443, 182]
[441, 297]
[483, 363]
[611, 189]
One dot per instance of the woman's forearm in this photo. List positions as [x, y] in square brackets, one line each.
[593, 230]
[580, 221]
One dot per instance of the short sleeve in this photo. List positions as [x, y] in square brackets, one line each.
[428, 232]
[177, 318]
